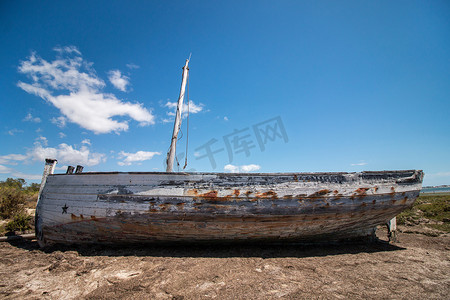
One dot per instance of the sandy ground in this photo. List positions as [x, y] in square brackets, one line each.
[416, 267]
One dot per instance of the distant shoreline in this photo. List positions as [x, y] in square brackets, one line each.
[443, 189]
[437, 186]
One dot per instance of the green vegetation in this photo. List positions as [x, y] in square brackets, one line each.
[432, 210]
[20, 222]
[15, 198]
[12, 202]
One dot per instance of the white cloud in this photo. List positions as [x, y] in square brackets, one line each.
[59, 121]
[14, 131]
[225, 118]
[139, 156]
[66, 154]
[86, 141]
[42, 140]
[61, 168]
[67, 49]
[172, 106]
[18, 174]
[95, 111]
[250, 168]
[231, 168]
[63, 153]
[62, 135]
[362, 163]
[239, 169]
[132, 66]
[4, 170]
[30, 118]
[166, 120]
[119, 80]
[11, 159]
[71, 85]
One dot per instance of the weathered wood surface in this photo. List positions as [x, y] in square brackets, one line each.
[148, 207]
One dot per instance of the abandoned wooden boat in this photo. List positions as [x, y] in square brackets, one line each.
[191, 207]
[146, 207]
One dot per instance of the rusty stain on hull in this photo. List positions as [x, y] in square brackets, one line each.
[268, 194]
[220, 207]
[210, 194]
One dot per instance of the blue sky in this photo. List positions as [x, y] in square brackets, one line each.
[324, 85]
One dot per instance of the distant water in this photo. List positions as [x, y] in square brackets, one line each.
[435, 190]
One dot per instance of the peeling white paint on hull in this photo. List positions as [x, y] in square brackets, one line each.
[192, 207]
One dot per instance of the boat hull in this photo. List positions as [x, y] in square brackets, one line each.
[119, 208]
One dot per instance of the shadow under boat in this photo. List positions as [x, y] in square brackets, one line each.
[218, 250]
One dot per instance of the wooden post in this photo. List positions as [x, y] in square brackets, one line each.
[177, 124]
[392, 229]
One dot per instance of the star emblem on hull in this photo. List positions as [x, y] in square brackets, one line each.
[64, 208]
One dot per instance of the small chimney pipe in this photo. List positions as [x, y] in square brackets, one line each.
[79, 169]
[70, 170]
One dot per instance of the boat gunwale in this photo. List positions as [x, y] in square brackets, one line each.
[242, 174]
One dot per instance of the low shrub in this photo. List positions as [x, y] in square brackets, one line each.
[20, 222]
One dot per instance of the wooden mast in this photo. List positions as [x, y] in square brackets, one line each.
[177, 124]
